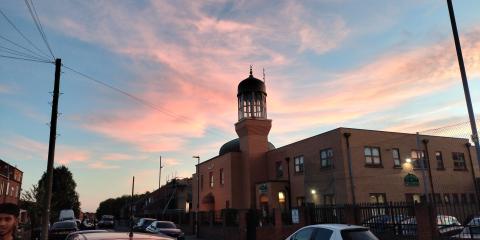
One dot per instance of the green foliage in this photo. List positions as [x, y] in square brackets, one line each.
[118, 207]
[64, 195]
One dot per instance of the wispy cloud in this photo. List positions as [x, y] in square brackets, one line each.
[101, 165]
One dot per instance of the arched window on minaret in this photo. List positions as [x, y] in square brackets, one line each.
[252, 98]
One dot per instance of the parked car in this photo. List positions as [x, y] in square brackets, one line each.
[107, 221]
[471, 230]
[142, 224]
[167, 228]
[332, 232]
[446, 225]
[105, 235]
[60, 230]
[383, 223]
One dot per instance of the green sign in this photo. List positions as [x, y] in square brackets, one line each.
[411, 180]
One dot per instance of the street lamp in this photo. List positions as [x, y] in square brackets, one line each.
[198, 194]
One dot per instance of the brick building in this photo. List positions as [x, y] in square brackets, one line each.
[250, 172]
[10, 183]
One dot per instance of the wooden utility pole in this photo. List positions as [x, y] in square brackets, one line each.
[51, 150]
[160, 174]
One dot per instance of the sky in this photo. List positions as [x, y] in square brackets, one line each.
[382, 65]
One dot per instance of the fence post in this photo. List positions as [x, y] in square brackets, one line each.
[426, 221]
[352, 214]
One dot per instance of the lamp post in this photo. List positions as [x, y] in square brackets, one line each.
[198, 195]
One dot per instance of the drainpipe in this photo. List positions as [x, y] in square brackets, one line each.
[289, 185]
[349, 156]
[468, 145]
[427, 156]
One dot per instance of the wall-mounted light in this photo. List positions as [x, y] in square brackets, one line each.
[408, 160]
[313, 191]
[281, 197]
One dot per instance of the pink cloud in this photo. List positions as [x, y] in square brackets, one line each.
[117, 157]
[101, 165]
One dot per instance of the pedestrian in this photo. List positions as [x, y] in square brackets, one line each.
[8, 220]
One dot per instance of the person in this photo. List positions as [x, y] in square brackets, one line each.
[8, 220]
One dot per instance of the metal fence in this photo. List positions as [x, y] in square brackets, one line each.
[320, 214]
[393, 220]
[458, 221]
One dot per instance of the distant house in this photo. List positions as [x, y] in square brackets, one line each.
[10, 183]
[175, 196]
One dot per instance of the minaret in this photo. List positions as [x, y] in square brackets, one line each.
[252, 129]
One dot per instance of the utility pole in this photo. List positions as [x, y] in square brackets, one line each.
[160, 174]
[131, 209]
[51, 150]
[198, 197]
[463, 73]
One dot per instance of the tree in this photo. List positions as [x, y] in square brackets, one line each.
[64, 195]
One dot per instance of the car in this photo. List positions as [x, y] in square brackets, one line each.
[332, 232]
[166, 227]
[105, 235]
[383, 223]
[107, 221]
[60, 230]
[142, 224]
[446, 225]
[471, 230]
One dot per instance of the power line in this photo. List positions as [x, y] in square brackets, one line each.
[19, 53]
[140, 100]
[33, 13]
[22, 47]
[26, 59]
[23, 36]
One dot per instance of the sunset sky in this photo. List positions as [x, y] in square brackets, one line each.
[385, 65]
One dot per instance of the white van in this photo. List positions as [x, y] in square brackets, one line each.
[66, 214]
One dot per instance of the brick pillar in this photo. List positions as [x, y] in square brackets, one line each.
[426, 222]
[278, 223]
[352, 214]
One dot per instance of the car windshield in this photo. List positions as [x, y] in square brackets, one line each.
[358, 234]
[147, 222]
[60, 225]
[165, 225]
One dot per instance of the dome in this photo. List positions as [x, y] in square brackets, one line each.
[234, 146]
[251, 84]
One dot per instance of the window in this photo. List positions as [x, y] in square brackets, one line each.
[222, 177]
[201, 182]
[329, 199]
[418, 159]
[446, 198]
[372, 156]
[279, 169]
[298, 164]
[378, 198]
[396, 157]
[458, 161]
[323, 233]
[281, 197]
[210, 177]
[439, 158]
[326, 158]
[304, 234]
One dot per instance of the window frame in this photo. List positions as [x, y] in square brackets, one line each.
[328, 158]
[372, 164]
[222, 177]
[301, 167]
[456, 161]
[395, 165]
[211, 182]
[377, 195]
[418, 159]
[439, 160]
[279, 169]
